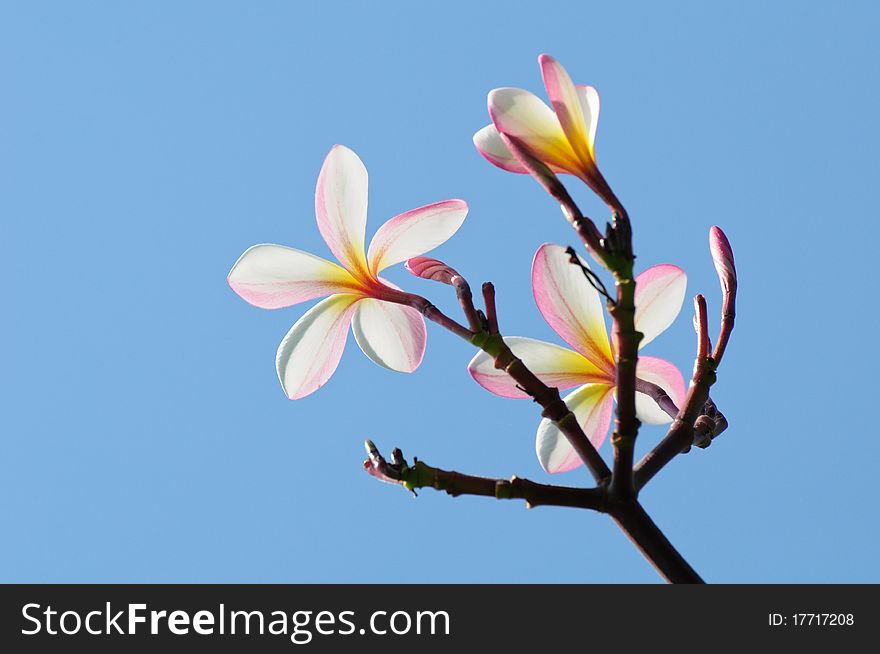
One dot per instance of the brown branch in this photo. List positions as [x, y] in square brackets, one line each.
[681, 433]
[699, 421]
[491, 342]
[626, 339]
[421, 475]
[634, 521]
[660, 396]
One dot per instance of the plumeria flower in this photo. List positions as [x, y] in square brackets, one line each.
[573, 308]
[562, 137]
[390, 333]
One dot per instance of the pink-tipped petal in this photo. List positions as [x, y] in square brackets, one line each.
[589, 99]
[490, 145]
[659, 294]
[309, 354]
[570, 304]
[341, 207]
[722, 257]
[553, 364]
[568, 107]
[392, 335]
[592, 406]
[431, 269]
[273, 276]
[415, 232]
[666, 376]
[524, 115]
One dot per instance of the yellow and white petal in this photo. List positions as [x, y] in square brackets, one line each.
[309, 354]
[666, 376]
[341, 207]
[592, 406]
[524, 115]
[415, 232]
[392, 335]
[553, 364]
[570, 304]
[589, 99]
[567, 104]
[273, 276]
[659, 294]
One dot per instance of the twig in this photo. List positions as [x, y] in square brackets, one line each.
[491, 342]
[592, 277]
[681, 434]
[421, 475]
[660, 396]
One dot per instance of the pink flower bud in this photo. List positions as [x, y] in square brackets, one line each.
[431, 269]
[722, 257]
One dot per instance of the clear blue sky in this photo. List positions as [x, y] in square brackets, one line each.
[144, 146]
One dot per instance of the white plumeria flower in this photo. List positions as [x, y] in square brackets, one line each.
[563, 137]
[573, 308]
[274, 276]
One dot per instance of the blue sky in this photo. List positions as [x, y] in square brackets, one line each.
[144, 146]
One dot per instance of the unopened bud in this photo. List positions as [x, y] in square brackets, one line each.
[722, 257]
[431, 269]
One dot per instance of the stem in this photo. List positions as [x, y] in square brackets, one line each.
[634, 521]
[660, 396]
[466, 300]
[491, 342]
[728, 314]
[421, 475]
[555, 409]
[489, 303]
[585, 227]
[681, 433]
[616, 492]
[535, 494]
[626, 339]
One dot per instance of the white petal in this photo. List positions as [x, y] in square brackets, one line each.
[567, 104]
[392, 335]
[570, 304]
[589, 99]
[659, 294]
[666, 376]
[592, 405]
[273, 276]
[309, 354]
[490, 145]
[341, 206]
[524, 115]
[415, 232]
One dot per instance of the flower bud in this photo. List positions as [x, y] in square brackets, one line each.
[431, 269]
[722, 257]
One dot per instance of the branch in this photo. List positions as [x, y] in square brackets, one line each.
[699, 421]
[681, 433]
[626, 338]
[421, 475]
[653, 544]
[660, 396]
[490, 341]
